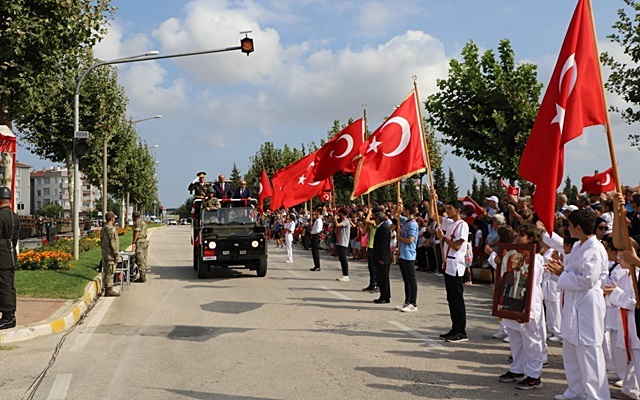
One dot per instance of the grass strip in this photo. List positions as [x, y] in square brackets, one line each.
[64, 284]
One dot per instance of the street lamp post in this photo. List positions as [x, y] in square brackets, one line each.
[246, 46]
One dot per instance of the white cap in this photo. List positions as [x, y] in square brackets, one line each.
[572, 208]
[493, 198]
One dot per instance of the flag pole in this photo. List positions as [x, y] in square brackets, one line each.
[366, 131]
[434, 204]
[612, 153]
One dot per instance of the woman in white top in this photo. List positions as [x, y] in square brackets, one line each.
[289, 227]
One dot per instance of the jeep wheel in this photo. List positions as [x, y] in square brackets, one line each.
[195, 259]
[262, 267]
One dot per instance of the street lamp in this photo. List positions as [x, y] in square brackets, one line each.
[146, 119]
[246, 47]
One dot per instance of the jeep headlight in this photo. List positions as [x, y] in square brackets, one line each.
[255, 244]
[212, 245]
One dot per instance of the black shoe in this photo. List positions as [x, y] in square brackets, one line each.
[375, 290]
[314, 269]
[8, 322]
[457, 337]
[444, 336]
[368, 288]
[529, 383]
[511, 377]
[382, 301]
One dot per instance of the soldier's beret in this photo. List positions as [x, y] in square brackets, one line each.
[201, 174]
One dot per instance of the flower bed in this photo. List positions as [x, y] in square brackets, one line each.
[44, 260]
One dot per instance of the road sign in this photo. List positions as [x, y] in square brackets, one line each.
[82, 135]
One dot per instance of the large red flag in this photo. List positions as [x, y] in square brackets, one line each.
[396, 150]
[573, 101]
[599, 183]
[265, 190]
[338, 153]
[282, 177]
[302, 187]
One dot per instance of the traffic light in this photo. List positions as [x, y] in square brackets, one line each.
[81, 147]
[161, 209]
[247, 45]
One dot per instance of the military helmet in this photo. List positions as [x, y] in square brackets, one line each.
[210, 190]
[5, 193]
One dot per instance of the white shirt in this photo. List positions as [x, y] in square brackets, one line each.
[624, 297]
[454, 260]
[290, 227]
[550, 290]
[584, 306]
[317, 226]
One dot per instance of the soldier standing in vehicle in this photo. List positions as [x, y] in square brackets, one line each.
[140, 245]
[9, 234]
[198, 187]
[211, 203]
[110, 244]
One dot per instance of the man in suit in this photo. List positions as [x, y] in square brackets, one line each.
[513, 285]
[243, 193]
[222, 191]
[382, 257]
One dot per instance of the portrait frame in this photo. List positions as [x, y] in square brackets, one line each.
[512, 295]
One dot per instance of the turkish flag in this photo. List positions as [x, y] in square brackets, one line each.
[513, 191]
[395, 150]
[338, 153]
[282, 177]
[326, 197]
[302, 187]
[265, 189]
[471, 210]
[573, 101]
[599, 183]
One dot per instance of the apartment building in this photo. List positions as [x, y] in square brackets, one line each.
[52, 186]
[23, 189]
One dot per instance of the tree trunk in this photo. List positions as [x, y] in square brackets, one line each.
[68, 161]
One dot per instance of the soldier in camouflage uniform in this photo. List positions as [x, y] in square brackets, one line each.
[110, 244]
[9, 234]
[140, 245]
[211, 203]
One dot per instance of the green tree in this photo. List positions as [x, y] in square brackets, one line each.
[474, 193]
[184, 211]
[485, 109]
[235, 178]
[440, 183]
[624, 79]
[571, 191]
[40, 42]
[452, 189]
[51, 210]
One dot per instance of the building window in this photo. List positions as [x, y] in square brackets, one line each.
[47, 181]
[39, 193]
[55, 192]
[47, 201]
[47, 191]
[38, 181]
[39, 204]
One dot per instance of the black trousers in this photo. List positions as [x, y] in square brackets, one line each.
[438, 253]
[421, 258]
[408, 270]
[314, 250]
[455, 298]
[343, 254]
[431, 259]
[373, 278]
[382, 272]
[7, 291]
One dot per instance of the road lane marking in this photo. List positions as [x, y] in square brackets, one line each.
[337, 294]
[418, 335]
[85, 335]
[60, 387]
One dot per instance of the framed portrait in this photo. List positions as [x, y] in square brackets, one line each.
[512, 288]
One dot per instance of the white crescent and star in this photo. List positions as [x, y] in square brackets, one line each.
[572, 65]
[260, 191]
[303, 178]
[606, 182]
[349, 141]
[405, 139]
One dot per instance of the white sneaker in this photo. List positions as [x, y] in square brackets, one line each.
[343, 279]
[554, 339]
[501, 334]
[410, 308]
[400, 308]
[560, 397]
[289, 261]
[618, 383]
[612, 376]
[506, 339]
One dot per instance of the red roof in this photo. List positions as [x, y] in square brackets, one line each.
[21, 165]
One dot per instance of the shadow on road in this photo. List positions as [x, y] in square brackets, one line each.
[211, 396]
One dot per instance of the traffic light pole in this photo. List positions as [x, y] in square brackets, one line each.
[246, 46]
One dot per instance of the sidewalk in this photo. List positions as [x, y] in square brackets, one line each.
[31, 311]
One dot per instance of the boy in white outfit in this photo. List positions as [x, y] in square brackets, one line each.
[579, 278]
[527, 339]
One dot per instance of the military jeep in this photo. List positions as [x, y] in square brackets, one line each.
[229, 237]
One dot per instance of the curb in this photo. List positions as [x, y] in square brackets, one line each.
[91, 292]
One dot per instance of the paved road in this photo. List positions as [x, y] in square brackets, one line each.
[292, 335]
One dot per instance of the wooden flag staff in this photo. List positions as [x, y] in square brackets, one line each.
[366, 137]
[614, 158]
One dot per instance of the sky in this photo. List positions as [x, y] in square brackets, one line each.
[315, 62]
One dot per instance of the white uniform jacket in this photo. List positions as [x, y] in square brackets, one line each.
[612, 319]
[550, 290]
[584, 306]
[624, 297]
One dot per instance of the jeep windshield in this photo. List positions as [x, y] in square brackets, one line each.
[230, 216]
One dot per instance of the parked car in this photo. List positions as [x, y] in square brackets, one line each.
[171, 221]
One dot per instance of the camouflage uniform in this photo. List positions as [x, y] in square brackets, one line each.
[110, 244]
[142, 244]
[211, 203]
